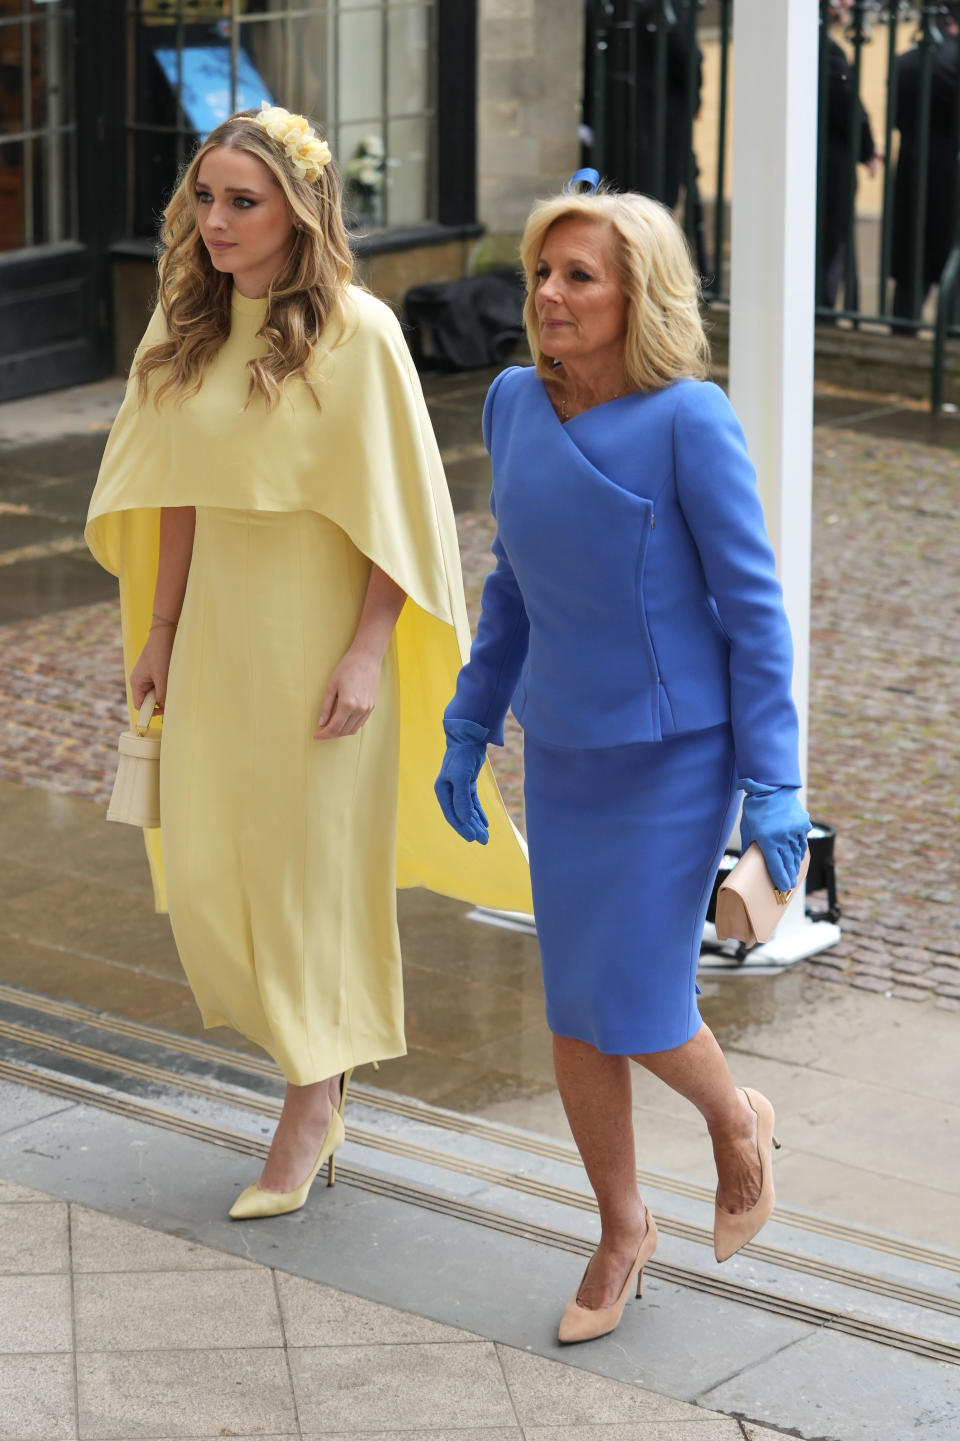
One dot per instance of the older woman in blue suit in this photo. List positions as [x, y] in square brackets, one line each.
[635, 624]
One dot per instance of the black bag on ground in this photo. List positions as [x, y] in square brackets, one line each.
[466, 324]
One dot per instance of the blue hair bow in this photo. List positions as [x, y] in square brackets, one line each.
[588, 178]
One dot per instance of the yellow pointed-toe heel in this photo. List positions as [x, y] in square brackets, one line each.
[580, 1323]
[731, 1231]
[255, 1203]
[332, 1165]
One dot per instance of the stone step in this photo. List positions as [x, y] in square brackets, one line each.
[882, 1288]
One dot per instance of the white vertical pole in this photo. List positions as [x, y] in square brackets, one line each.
[772, 291]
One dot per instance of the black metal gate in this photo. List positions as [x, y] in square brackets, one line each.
[644, 86]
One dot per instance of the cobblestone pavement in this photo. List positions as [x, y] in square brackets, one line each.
[885, 692]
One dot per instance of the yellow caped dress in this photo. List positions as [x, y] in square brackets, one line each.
[278, 856]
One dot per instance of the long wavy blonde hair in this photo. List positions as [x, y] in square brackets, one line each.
[665, 340]
[304, 297]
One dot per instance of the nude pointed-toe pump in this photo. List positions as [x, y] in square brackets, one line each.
[731, 1231]
[254, 1202]
[580, 1323]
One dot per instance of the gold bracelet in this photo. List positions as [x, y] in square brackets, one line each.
[161, 620]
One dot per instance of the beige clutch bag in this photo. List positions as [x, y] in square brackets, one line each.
[749, 906]
[136, 790]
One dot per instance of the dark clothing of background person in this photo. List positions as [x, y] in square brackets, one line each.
[638, 171]
[849, 138]
[675, 128]
[941, 171]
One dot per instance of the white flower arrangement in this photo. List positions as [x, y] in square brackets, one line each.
[366, 169]
[306, 152]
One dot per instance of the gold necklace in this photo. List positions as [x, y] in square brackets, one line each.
[563, 405]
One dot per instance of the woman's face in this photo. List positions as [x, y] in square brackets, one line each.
[243, 217]
[580, 302]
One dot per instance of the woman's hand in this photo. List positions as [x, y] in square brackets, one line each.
[456, 785]
[350, 696]
[153, 666]
[775, 819]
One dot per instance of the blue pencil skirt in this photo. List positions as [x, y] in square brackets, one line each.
[625, 843]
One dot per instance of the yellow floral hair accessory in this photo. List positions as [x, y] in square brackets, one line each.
[307, 153]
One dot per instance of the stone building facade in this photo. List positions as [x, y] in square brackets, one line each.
[528, 107]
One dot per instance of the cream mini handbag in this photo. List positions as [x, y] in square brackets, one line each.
[749, 906]
[136, 790]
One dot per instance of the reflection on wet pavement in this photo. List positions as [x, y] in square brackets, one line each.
[75, 901]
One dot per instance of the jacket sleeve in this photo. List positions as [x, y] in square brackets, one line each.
[716, 489]
[486, 684]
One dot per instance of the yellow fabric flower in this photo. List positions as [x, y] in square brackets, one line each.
[304, 149]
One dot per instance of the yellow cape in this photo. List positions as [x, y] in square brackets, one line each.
[369, 462]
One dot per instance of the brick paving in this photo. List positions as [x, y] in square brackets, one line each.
[885, 694]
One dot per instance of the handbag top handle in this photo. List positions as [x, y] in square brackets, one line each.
[145, 714]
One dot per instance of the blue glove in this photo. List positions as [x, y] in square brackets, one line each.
[775, 819]
[456, 785]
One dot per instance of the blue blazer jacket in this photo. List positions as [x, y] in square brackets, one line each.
[635, 593]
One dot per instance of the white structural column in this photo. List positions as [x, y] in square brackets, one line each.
[771, 318]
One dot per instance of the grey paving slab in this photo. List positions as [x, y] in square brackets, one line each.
[704, 1428]
[917, 1044]
[103, 1243]
[855, 1127]
[174, 1394]
[363, 1388]
[482, 1433]
[676, 1341]
[839, 1388]
[35, 1313]
[553, 1393]
[761, 1433]
[847, 1299]
[419, 1173]
[318, 1315]
[176, 1309]
[19, 1106]
[126, 1168]
[863, 1197]
[12, 1194]
[676, 1337]
[37, 1398]
[34, 1238]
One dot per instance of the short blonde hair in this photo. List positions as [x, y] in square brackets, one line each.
[665, 340]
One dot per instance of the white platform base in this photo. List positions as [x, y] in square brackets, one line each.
[506, 920]
[781, 952]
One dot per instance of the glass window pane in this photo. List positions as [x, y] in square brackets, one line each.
[291, 61]
[12, 215]
[408, 59]
[410, 172]
[11, 79]
[360, 55]
[36, 97]
[362, 162]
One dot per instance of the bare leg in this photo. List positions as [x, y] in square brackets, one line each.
[596, 1094]
[698, 1070]
[299, 1135]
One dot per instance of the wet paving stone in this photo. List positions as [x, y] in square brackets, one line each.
[884, 768]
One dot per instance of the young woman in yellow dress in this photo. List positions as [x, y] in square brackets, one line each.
[272, 500]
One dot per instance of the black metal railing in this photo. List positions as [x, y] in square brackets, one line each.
[646, 122]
